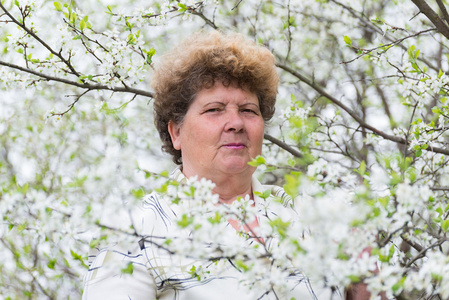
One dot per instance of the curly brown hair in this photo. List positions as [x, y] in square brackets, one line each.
[200, 61]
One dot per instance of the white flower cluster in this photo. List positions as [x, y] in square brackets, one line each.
[423, 90]
[296, 111]
[434, 269]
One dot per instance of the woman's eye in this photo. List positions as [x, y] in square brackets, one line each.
[248, 110]
[213, 109]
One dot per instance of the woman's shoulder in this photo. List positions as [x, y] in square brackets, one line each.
[153, 215]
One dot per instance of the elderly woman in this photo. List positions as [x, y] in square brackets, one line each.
[213, 95]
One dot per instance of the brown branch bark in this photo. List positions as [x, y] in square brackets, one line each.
[202, 16]
[442, 27]
[283, 145]
[443, 10]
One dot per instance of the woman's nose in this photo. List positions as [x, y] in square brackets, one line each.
[234, 121]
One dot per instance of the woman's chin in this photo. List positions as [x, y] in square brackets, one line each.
[236, 167]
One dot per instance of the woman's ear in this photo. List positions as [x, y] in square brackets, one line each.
[175, 134]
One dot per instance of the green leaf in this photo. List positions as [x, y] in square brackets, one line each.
[94, 243]
[292, 182]
[72, 18]
[58, 6]
[51, 264]
[445, 225]
[280, 227]
[82, 25]
[266, 194]
[354, 278]
[263, 195]
[411, 50]
[436, 110]
[418, 153]
[78, 257]
[182, 7]
[150, 53]
[185, 221]
[386, 258]
[384, 201]
[129, 269]
[347, 40]
[216, 219]
[362, 169]
[341, 253]
[138, 193]
[397, 286]
[259, 160]
[241, 265]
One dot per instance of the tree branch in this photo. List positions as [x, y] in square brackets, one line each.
[37, 38]
[443, 10]
[71, 104]
[442, 27]
[444, 189]
[354, 115]
[238, 3]
[422, 253]
[283, 145]
[202, 16]
[79, 84]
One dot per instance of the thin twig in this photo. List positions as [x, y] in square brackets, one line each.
[237, 5]
[289, 31]
[71, 104]
[408, 131]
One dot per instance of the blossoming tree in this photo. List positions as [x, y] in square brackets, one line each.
[359, 141]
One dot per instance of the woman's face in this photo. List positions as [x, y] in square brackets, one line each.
[221, 132]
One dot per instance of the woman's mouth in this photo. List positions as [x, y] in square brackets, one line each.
[234, 146]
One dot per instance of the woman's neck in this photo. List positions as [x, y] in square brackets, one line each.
[229, 186]
[227, 195]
